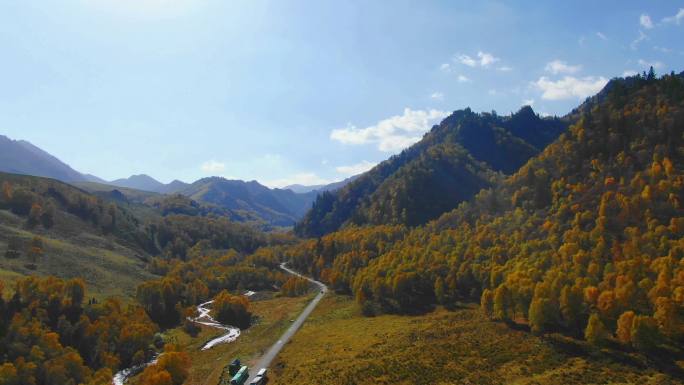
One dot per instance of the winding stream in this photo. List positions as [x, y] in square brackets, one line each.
[204, 318]
[123, 375]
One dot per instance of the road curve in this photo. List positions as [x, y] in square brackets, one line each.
[266, 359]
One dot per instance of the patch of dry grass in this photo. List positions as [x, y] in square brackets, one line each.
[339, 346]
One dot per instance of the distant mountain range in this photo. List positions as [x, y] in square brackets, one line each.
[22, 157]
[302, 189]
[147, 183]
[279, 207]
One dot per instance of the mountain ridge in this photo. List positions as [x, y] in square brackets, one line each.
[249, 199]
[22, 157]
[476, 139]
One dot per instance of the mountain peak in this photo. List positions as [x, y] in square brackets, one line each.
[23, 157]
[139, 182]
[525, 112]
[143, 177]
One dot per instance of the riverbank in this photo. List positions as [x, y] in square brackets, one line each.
[272, 319]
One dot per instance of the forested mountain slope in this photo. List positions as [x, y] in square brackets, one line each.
[586, 239]
[275, 206]
[457, 158]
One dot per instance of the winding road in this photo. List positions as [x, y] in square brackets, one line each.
[266, 359]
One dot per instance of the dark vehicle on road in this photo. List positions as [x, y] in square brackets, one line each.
[234, 367]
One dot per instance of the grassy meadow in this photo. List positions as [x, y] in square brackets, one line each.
[72, 250]
[339, 346]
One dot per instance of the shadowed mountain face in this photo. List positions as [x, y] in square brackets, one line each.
[463, 154]
[147, 183]
[276, 206]
[22, 157]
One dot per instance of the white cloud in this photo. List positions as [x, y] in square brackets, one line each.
[645, 21]
[486, 59]
[677, 18]
[646, 64]
[391, 134]
[463, 79]
[528, 102]
[355, 169]
[570, 87]
[601, 36]
[628, 73]
[437, 96]
[560, 67]
[304, 178]
[467, 60]
[493, 92]
[504, 69]
[483, 59]
[213, 166]
[445, 67]
[635, 42]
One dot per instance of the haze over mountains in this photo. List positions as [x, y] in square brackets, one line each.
[22, 157]
[147, 183]
[278, 207]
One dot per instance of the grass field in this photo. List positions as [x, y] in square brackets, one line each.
[108, 268]
[339, 346]
[274, 317]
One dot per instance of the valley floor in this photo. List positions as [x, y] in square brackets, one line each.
[339, 346]
[274, 317]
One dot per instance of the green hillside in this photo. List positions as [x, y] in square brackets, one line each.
[79, 235]
[108, 237]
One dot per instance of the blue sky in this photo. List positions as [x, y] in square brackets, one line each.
[299, 91]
